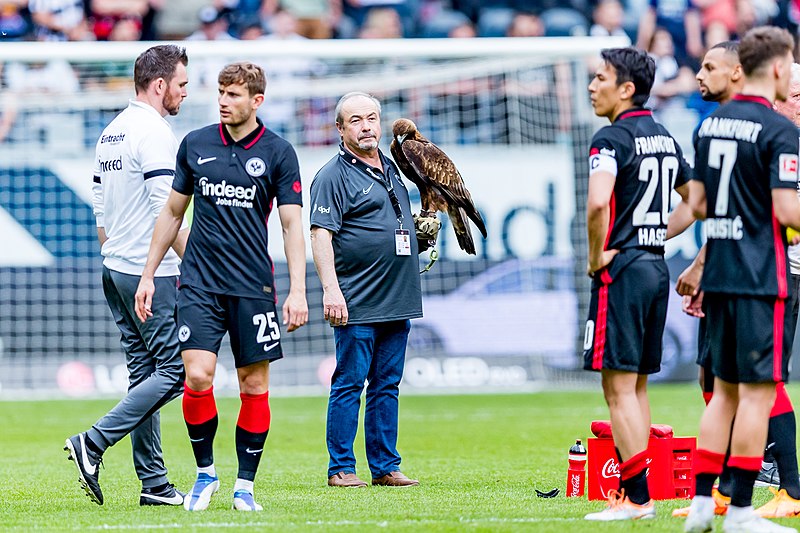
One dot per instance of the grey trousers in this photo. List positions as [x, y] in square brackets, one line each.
[154, 363]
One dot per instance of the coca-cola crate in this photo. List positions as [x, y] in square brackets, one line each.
[669, 473]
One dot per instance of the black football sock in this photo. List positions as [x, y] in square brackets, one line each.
[782, 432]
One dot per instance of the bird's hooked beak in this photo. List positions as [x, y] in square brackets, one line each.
[401, 138]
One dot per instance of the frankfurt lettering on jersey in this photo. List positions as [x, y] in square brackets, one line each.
[730, 128]
[655, 144]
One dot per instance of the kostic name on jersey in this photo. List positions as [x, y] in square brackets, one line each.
[724, 228]
[232, 195]
[111, 165]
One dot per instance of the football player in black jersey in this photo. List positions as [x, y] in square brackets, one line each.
[635, 164]
[746, 168]
[235, 170]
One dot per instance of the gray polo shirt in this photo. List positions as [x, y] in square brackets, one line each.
[351, 199]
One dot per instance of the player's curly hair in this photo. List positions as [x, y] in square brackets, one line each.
[634, 65]
[244, 72]
[761, 45]
[157, 62]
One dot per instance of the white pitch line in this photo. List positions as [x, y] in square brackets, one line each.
[328, 523]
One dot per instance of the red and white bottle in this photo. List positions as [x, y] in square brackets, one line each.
[576, 475]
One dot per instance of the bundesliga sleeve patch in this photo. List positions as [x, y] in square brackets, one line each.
[788, 167]
[602, 160]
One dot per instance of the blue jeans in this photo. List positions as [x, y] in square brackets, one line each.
[376, 353]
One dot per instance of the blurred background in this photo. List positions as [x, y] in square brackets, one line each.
[501, 86]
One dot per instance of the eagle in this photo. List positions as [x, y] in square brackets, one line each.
[440, 185]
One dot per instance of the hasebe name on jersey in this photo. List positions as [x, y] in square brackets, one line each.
[652, 236]
[730, 128]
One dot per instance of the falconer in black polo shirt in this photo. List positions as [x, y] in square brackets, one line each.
[235, 170]
[365, 250]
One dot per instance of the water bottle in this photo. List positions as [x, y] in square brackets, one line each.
[576, 475]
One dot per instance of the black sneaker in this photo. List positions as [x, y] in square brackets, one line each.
[165, 494]
[88, 465]
[768, 477]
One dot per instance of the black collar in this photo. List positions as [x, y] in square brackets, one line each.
[634, 112]
[248, 141]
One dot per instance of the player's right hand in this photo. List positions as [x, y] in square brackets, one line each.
[334, 307]
[144, 298]
[689, 281]
[602, 262]
[692, 305]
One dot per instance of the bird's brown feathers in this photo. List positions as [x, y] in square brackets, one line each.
[440, 184]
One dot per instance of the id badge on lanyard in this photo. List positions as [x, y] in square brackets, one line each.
[402, 237]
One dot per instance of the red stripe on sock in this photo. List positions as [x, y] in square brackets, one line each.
[633, 466]
[708, 462]
[707, 397]
[783, 404]
[254, 415]
[752, 464]
[198, 406]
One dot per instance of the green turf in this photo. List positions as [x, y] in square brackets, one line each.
[478, 459]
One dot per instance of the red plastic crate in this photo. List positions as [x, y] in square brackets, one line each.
[670, 468]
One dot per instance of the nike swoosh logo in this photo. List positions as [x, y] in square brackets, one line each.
[366, 191]
[196, 440]
[270, 346]
[248, 450]
[202, 161]
[171, 500]
[87, 466]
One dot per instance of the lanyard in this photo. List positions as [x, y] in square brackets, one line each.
[392, 195]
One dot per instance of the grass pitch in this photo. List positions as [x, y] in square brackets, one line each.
[478, 459]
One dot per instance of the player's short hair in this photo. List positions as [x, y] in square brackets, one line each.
[157, 62]
[731, 47]
[632, 65]
[244, 72]
[761, 45]
[340, 104]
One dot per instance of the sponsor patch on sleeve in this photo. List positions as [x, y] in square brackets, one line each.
[601, 162]
[787, 164]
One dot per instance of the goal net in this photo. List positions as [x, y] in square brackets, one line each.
[512, 113]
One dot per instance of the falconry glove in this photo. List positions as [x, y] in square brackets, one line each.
[427, 229]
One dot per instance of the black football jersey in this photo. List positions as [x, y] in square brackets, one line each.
[648, 164]
[234, 184]
[744, 150]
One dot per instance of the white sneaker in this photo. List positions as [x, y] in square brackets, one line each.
[243, 501]
[619, 507]
[701, 515]
[200, 495]
[754, 524]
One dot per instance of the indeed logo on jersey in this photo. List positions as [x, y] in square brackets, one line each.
[230, 195]
[111, 165]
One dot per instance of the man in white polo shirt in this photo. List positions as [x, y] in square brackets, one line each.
[133, 172]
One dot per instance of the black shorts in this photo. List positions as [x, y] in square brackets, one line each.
[749, 337]
[627, 312]
[252, 323]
